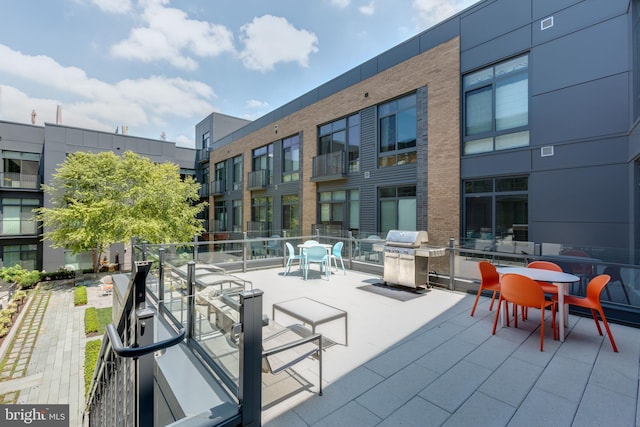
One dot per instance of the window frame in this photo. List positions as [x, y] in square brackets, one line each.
[491, 79]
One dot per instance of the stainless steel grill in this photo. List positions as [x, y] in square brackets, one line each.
[406, 258]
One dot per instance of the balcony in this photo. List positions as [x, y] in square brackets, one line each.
[258, 180]
[19, 180]
[204, 190]
[17, 227]
[219, 187]
[329, 167]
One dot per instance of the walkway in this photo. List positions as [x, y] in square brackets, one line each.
[44, 354]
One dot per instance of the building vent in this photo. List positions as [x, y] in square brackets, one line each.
[367, 175]
[546, 151]
[546, 23]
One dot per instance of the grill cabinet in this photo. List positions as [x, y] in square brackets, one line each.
[406, 258]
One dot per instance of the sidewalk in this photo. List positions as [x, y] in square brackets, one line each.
[44, 354]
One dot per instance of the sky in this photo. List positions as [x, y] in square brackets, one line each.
[159, 67]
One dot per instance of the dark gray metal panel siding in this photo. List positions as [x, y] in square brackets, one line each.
[572, 113]
[500, 48]
[544, 8]
[595, 52]
[342, 82]
[582, 155]
[368, 159]
[398, 54]
[499, 163]
[579, 199]
[494, 20]
[440, 33]
[569, 19]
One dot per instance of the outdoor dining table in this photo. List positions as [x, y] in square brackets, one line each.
[303, 246]
[558, 278]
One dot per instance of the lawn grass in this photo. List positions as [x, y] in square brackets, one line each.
[96, 320]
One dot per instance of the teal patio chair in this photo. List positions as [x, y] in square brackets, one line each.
[336, 254]
[317, 255]
[291, 256]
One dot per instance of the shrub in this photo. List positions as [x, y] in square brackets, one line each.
[5, 319]
[12, 274]
[28, 279]
[91, 353]
[4, 331]
[90, 321]
[61, 274]
[19, 296]
[80, 295]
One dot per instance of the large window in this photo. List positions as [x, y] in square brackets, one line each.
[261, 213]
[262, 163]
[237, 172]
[496, 107]
[291, 215]
[23, 255]
[220, 216]
[340, 136]
[397, 208]
[20, 169]
[17, 216]
[206, 140]
[220, 178]
[340, 209]
[236, 216]
[291, 159]
[397, 127]
[496, 208]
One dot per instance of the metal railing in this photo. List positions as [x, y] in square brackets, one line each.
[19, 180]
[331, 165]
[213, 315]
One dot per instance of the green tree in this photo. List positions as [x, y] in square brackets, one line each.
[100, 199]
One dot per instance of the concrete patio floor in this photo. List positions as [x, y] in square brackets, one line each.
[426, 361]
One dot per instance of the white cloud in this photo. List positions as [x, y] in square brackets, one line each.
[269, 40]
[431, 12]
[97, 104]
[368, 9]
[255, 104]
[113, 6]
[169, 35]
[341, 3]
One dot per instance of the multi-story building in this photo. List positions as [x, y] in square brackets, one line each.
[30, 154]
[512, 120]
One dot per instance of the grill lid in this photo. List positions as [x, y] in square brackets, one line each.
[410, 239]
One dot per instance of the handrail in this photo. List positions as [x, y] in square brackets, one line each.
[123, 351]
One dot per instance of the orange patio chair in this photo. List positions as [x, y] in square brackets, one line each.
[525, 292]
[490, 281]
[592, 302]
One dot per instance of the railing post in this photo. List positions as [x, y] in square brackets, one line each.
[161, 256]
[250, 381]
[144, 251]
[350, 250]
[245, 245]
[195, 248]
[191, 307]
[452, 265]
[144, 336]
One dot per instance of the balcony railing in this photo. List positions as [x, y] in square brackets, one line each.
[204, 190]
[258, 180]
[18, 227]
[19, 180]
[329, 166]
[219, 187]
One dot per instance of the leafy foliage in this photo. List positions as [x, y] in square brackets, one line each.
[80, 295]
[91, 353]
[16, 274]
[90, 321]
[100, 199]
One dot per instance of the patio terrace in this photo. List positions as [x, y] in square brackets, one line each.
[426, 361]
